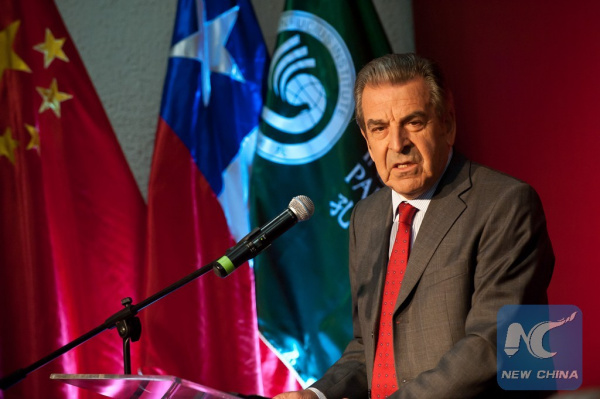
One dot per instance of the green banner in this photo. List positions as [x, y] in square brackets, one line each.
[309, 144]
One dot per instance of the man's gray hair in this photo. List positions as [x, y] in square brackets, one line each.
[398, 69]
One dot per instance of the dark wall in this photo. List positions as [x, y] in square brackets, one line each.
[526, 81]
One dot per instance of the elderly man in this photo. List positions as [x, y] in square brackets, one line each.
[435, 254]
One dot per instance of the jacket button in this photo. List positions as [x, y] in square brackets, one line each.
[404, 381]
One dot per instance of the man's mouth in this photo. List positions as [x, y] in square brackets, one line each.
[403, 169]
[403, 165]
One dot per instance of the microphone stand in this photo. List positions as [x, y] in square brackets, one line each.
[128, 326]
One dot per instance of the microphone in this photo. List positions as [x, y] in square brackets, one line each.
[300, 208]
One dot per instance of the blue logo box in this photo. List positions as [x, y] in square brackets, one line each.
[540, 347]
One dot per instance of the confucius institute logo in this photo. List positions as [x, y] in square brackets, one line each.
[310, 102]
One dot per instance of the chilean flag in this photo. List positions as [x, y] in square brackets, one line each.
[207, 331]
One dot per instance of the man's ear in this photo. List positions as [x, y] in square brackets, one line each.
[450, 120]
[450, 124]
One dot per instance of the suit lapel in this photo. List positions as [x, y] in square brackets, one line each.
[380, 258]
[445, 207]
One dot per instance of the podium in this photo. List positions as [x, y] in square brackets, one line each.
[141, 386]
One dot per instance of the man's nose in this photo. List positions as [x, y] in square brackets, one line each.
[399, 140]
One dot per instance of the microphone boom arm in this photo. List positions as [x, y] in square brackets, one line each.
[128, 325]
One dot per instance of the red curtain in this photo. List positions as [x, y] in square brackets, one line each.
[525, 77]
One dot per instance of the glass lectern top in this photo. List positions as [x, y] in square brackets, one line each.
[141, 386]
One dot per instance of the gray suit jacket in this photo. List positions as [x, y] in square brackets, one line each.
[483, 243]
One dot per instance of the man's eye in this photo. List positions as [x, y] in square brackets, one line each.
[415, 125]
[378, 131]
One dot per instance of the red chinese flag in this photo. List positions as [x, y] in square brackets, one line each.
[72, 220]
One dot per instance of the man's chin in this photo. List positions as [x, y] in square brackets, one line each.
[408, 191]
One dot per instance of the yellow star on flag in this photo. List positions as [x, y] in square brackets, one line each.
[52, 98]
[8, 58]
[35, 137]
[52, 48]
[8, 145]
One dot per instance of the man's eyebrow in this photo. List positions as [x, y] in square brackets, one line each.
[376, 122]
[413, 115]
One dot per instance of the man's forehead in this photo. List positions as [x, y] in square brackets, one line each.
[383, 99]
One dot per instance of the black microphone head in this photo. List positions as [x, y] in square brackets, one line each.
[302, 206]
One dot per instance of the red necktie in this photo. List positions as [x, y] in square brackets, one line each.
[384, 370]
